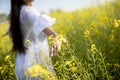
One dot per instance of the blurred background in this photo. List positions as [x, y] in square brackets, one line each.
[92, 28]
[47, 5]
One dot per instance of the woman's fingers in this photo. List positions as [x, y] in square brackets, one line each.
[53, 50]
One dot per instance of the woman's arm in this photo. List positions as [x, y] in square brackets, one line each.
[49, 31]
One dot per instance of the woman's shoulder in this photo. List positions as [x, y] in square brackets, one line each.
[29, 9]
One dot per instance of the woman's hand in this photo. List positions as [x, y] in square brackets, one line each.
[57, 40]
[54, 49]
[56, 45]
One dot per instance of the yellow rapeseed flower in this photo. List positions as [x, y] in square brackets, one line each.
[117, 65]
[109, 64]
[7, 57]
[57, 63]
[116, 23]
[68, 63]
[27, 41]
[87, 32]
[119, 21]
[0, 68]
[112, 37]
[93, 47]
[50, 37]
[37, 70]
[73, 68]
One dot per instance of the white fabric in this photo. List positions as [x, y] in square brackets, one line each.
[32, 25]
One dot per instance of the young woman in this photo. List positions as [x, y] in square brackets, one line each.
[29, 30]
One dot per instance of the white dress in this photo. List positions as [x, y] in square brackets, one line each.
[32, 25]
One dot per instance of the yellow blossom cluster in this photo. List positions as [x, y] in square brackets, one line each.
[86, 33]
[38, 70]
[27, 41]
[116, 23]
[93, 47]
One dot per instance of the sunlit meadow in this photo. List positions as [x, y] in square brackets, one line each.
[92, 51]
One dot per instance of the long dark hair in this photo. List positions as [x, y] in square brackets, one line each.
[17, 36]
